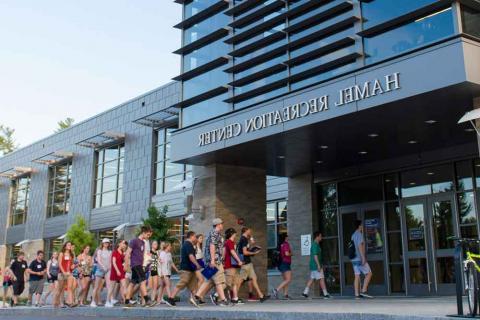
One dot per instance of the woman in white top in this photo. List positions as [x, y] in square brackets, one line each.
[199, 255]
[102, 274]
[165, 270]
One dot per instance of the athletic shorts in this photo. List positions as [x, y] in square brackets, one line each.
[247, 272]
[138, 274]
[187, 280]
[219, 277]
[358, 268]
[7, 284]
[52, 279]
[232, 277]
[18, 287]
[317, 275]
[284, 267]
[36, 286]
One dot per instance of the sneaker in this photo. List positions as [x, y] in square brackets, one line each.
[108, 305]
[213, 298]
[201, 303]
[170, 302]
[287, 297]
[237, 302]
[114, 301]
[152, 304]
[305, 295]
[223, 303]
[365, 295]
[93, 304]
[252, 298]
[264, 298]
[162, 301]
[327, 296]
[358, 297]
[275, 293]
[193, 301]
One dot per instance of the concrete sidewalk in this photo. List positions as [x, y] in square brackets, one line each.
[338, 308]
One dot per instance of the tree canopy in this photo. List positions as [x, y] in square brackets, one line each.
[7, 140]
[64, 124]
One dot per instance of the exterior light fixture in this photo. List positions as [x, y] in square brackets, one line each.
[471, 116]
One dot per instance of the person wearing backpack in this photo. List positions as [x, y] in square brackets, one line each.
[284, 266]
[359, 262]
[316, 267]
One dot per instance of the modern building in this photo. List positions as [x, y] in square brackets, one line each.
[345, 110]
[357, 103]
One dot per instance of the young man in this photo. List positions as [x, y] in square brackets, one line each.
[247, 272]
[316, 267]
[214, 259]
[134, 256]
[19, 268]
[360, 264]
[36, 270]
[188, 266]
[232, 263]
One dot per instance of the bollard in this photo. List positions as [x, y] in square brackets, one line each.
[458, 277]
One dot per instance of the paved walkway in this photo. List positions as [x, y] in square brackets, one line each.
[338, 308]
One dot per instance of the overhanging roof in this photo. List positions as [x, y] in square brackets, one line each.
[54, 157]
[15, 172]
[102, 139]
[160, 118]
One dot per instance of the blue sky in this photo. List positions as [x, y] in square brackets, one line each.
[75, 58]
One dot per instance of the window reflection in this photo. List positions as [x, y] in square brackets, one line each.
[471, 21]
[426, 181]
[205, 110]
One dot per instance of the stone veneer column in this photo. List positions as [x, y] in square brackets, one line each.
[232, 193]
[300, 220]
[3, 256]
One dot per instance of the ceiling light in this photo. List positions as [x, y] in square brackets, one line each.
[412, 141]
[373, 135]
[388, 180]
[362, 152]
[324, 147]
[431, 121]
[319, 162]
[281, 157]
[430, 173]
[412, 183]
[469, 129]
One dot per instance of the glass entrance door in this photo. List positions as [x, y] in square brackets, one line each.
[372, 216]
[429, 222]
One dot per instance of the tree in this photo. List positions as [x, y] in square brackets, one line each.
[7, 141]
[64, 124]
[160, 224]
[79, 235]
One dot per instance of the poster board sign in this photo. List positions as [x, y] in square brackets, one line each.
[305, 244]
[373, 233]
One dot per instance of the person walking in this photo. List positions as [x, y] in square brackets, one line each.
[284, 267]
[154, 271]
[247, 271]
[8, 279]
[214, 247]
[360, 264]
[316, 267]
[52, 276]
[165, 270]
[135, 256]
[200, 259]
[188, 266]
[232, 263]
[117, 274]
[85, 266]
[19, 268]
[102, 274]
[65, 278]
[37, 270]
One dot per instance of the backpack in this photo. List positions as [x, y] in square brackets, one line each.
[276, 258]
[351, 251]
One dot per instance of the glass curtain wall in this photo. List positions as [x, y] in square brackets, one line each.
[109, 176]
[59, 189]
[20, 195]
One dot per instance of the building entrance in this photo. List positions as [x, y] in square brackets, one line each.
[428, 222]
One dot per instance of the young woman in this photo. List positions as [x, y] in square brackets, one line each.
[199, 256]
[102, 275]
[165, 268]
[117, 274]
[53, 270]
[75, 275]
[85, 265]
[284, 267]
[8, 278]
[65, 278]
[153, 280]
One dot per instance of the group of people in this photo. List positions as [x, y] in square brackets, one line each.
[142, 268]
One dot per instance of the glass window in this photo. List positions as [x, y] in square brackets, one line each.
[360, 191]
[59, 189]
[471, 21]
[193, 7]
[205, 54]
[467, 215]
[205, 82]
[392, 192]
[204, 110]
[167, 174]
[109, 176]
[427, 180]
[393, 216]
[464, 175]
[178, 232]
[276, 225]
[20, 190]
[379, 11]
[423, 31]
[205, 27]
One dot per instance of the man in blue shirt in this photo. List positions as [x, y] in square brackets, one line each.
[360, 264]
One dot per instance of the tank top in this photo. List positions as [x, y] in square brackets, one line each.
[54, 268]
[66, 262]
[85, 267]
[154, 257]
[106, 259]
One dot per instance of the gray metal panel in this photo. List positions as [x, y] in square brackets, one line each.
[471, 51]
[107, 217]
[16, 234]
[55, 227]
[174, 201]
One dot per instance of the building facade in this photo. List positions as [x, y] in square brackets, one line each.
[287, 117]
[357, 103]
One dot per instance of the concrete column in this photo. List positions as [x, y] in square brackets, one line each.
[30, 249]
[232, 193]
[301, 220]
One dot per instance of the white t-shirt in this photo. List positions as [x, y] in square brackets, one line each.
[165, 266]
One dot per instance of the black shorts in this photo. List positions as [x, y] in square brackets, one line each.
[138, 275]
[154, 273]
[52, 279]
[18, 287]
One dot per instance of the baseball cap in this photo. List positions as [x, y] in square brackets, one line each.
[217, 221]
[106, 240]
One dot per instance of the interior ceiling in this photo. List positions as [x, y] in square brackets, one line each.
[381, 133]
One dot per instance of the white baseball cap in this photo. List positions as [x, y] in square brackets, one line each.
[106, 240]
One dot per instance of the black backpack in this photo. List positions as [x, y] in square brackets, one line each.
[276, 258]
[352, 253]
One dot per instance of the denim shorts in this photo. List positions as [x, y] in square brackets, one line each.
[100, 273]
[284, 267]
